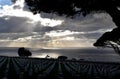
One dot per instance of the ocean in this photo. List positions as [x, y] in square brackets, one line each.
[89, 54]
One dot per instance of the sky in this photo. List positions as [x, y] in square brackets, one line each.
[20, 28]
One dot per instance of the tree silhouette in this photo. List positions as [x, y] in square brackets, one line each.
[62, 57]
[110, 39]
[72, 7]
[84, 7]
[22, 52]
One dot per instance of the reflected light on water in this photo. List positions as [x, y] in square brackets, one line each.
[43, 55]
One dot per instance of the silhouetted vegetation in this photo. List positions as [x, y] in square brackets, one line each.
[23, 52]
[62, 57]
[110, 39]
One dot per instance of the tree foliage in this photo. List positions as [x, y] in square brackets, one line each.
[62, 57]
[109, 36]
[69, 7]
[110, 39]
[24, 52]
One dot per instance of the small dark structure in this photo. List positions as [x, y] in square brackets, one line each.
[47, 56]
[62, 57]
[23, 52]
[74, 59]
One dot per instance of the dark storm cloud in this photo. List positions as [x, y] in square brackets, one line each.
[12, 24]
[92, 22]
[40, 28]
[88, 35]
[88, 23]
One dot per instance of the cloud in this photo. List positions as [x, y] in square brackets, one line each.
[92, 22]
[14, 24]
[21, 24]
[19, 9]
[19, 27]
[32, 39]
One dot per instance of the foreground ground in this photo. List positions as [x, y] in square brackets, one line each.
[36, 68]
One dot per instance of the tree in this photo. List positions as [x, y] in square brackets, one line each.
[72, 7]
[84, 7]
[62, 57]
[110, 39]
[22, 52]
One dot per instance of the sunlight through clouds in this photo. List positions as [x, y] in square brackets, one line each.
[61, 33]
[17, 10]
[20, 27]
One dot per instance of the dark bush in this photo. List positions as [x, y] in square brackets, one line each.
[24, 52]
[62, 57]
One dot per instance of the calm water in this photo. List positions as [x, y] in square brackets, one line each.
[93, 54]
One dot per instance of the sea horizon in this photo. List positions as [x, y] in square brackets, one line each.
[88, 54]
